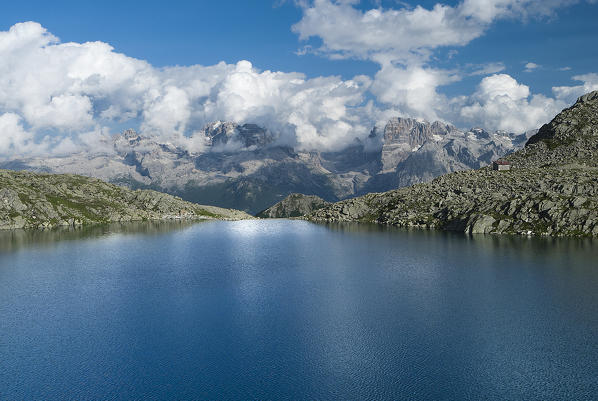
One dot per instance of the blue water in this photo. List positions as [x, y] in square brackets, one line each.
[292, 310]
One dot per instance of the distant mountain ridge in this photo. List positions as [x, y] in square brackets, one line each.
[244, 167]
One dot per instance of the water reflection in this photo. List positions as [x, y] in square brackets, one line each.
[486, 243]
[12, 240]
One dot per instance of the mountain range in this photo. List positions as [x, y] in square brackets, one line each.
[550, 188]
[245, 167]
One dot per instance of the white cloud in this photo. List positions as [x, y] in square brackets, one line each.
[406, 34]
[487, 69]
[403, 40]
[64, 89]
[502, 85]
[167, 111]
[489, 10]
[25, 36]
[403, 34]
[503, 103]
[60, 97]
[529, 67]
[13, 138]
[589, 83]
[412, 89]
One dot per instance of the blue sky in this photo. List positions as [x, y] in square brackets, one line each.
[186, 32]
[206, 32]
[521, 52]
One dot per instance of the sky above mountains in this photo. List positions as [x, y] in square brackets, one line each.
[318, 73]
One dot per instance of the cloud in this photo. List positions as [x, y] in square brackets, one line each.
[13, 137]
[486, 69]
[55, 90]
[529, 67]
[412, 90]
[376, 34]
[503, 103]
[407, 34]
[57, 98]
[589, 83]
[403, 40]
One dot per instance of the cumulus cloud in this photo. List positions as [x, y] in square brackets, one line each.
[413, 89]
[589, 83]
[13, 137]
[65, 89]
[16, 141]
[403, 41]
[57, 98]
[501, 102]
[407, 33]
[375, 34]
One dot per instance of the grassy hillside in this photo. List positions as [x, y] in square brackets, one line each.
[48, 200]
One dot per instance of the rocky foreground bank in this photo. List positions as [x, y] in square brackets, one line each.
[32, 200]
[551, 189]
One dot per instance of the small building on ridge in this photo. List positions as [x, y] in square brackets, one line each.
[501, 165]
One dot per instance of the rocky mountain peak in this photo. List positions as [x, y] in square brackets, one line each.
[230, 135]
[402, 136]
[480, 132]
[575, 123]
[413, 131]
[254, 135]
[588, 97]
[128, 140]
[130, 134]
[217, 128]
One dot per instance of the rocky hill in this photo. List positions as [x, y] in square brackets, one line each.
[48, 200]
[551, 189]
[294, 205]
[246, 167]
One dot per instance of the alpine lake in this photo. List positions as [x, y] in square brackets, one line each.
[285, 309]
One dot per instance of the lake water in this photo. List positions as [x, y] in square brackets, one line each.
[292, 310]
